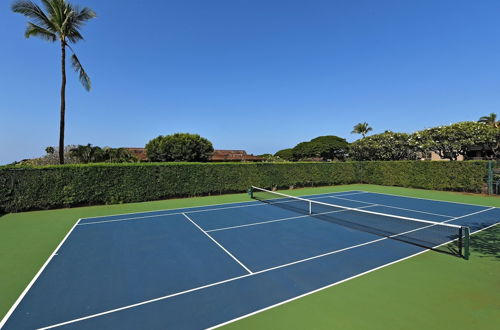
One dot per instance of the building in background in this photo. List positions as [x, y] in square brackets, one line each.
[234, 156]
[217, 156]
[139, 153]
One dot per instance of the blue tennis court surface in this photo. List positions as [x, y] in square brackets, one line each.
[202, 267]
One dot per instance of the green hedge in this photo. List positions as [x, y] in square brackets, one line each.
[437, 175]
[29, 188]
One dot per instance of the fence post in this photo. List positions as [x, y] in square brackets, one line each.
[490, 177]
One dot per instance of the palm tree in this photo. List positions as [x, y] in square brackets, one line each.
[361, 128]
[61, 21]
[491, 120]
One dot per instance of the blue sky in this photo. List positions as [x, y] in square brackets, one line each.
[259, 75]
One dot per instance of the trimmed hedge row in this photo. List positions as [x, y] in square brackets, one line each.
[438, 175]
[71, 185]
[29, 188]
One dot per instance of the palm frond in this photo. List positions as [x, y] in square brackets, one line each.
[84, 14]
[74, 36]
[49, 6]
[33, 11]
[33, 30]
[66, 21]
[84, 78]
[74, 19]
[53, 8]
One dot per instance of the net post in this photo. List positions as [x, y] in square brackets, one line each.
[460, 241]
[310, 208]
[250, 192]
[466, 242]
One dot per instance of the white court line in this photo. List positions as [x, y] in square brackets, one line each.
[427, 199]
[52, 255]
[359, 210]
[195, 211]
[250, 203]
[468, 215]
[223, 248]
[333, 284]
[283, 219]
[349, 192]
[393, 207]
[258, 204]
[176, 213]
[206, 286]
[256, 273]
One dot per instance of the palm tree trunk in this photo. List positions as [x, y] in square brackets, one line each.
[63, 102]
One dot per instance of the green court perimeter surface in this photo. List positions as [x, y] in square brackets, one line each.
[429, 291]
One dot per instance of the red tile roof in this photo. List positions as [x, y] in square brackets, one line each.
[140, 153]
[233, 155]
[217, 156]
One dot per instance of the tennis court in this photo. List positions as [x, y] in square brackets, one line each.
[202, 267]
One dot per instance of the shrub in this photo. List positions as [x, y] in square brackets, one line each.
[286, 154]
[437, 175]
[93, 154]
[385, 146]
[90, 184]
[179, 147]
[328, 147]
[28, 188]
[455, 140]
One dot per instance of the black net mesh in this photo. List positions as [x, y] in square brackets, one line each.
[428, 234]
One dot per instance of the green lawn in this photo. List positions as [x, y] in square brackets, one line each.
[429, 291]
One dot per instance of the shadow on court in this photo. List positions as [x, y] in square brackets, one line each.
[487, 243]
[344, 218]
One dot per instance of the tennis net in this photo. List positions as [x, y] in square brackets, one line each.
[424, 233]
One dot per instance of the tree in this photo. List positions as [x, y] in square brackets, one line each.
[52, 157]
[117, 155]
[61, 21]
[94, 154]
[327, 147]
[50, 150]
[455, 140]
[361, 128]
[386, 146]
[490, 120]
[87, 154]
[179, 147]
[270, 158]
[492, 142]
[285, 154]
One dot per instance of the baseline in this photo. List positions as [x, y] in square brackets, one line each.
[209, 206]
[394, 207]
[247, 204]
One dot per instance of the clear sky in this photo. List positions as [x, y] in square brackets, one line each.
[259, 75]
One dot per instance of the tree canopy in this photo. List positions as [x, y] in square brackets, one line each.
[361, 128]
[490, 120]
[285, 154]
[455, 140]
[94, 154]
[327, 147]
[179, 147]
[386, 146]
[58, 20]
